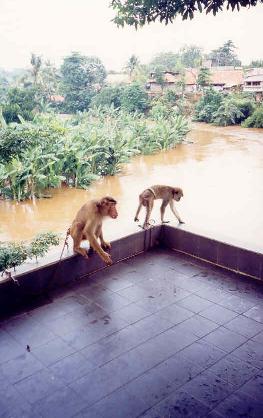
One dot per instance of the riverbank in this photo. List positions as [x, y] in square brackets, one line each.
[221, 173]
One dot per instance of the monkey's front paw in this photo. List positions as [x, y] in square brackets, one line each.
[165, 222]
[136, 219]
[106, 245]
[181, 222]
[107, 259]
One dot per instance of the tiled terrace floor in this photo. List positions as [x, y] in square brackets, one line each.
[156, 336]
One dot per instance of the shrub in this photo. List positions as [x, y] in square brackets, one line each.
[246, 106]
[207, 106]
[20, 101]
[108, 96]
[12, 255]
[40, 245]
[255, 120]
[134, 98]
[227, 113]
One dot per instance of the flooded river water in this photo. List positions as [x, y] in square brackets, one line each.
[219, 169]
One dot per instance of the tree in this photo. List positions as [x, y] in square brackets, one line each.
[139, 12]
[208, 105]
[108, 96]
[256, 63]
[191, 56]
[20, 102]
[134, 98]
[227, 113]
[82, 76]
[36, 62]
[203, 78]
[165, 61]
[255, 120]
[159, 78]
[225, 55]
[49, 79]
[131, 65]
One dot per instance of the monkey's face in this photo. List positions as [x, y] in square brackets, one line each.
[112, 211]
[109, 209]
[178, 193]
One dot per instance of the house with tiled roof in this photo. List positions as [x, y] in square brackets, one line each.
[253, 82]
[221, 78]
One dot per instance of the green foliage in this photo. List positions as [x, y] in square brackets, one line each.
[139, 12]
[165, 61]
[40, 245]
[225, 55]
[245, 105]
[207, 105]
[223, 110]
[255, 120]
[132, 64]
[108, 96]
[203, 78]
[191, 56]
[20, 101]
[17, 138]
[134, 98]
[81, 76]
[12, 255]
[36, 62]
[256, 63]
[227, 113]
[43, 153]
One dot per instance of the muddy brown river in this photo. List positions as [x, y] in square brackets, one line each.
[219, 169]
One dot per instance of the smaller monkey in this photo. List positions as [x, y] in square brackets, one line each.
[167, 193]
[88, 225]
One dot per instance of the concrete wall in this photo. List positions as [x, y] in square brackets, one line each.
[39, 280]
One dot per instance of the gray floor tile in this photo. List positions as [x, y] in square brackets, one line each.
[255, 313]
[203, 354]
[53, 351]
[63, 403]
[218, 314]
[71, 368]
[251, 352]
[233, 371]
[237, 405]
[175, 313]
[165, 355]
[244, 326]
[253, 387]
[194, 303]
[225, 339]
[197, 325]
[38, 386]
[209, 389]
[20, 367]
[178, 405]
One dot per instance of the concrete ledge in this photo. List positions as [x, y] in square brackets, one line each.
[39, 280]
[222, 254]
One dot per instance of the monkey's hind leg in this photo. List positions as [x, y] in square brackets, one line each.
[149, 207]
[76, 234]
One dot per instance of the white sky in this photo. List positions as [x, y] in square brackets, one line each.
[54, 28]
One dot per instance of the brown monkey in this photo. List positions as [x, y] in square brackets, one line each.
[88, 225]
[166, 193]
